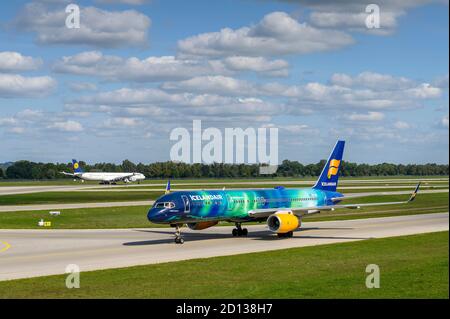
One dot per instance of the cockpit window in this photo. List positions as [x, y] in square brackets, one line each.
[164, 205]
[169, 205]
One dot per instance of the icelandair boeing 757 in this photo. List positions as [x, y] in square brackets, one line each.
[103, 177]
[281, 208]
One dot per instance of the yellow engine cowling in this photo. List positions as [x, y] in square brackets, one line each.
[283, 222]
[201, 225]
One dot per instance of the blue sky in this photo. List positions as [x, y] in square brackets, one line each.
[136, 69]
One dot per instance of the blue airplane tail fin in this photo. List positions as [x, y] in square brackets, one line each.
[328, 179]
[168, 187]
[76, 166]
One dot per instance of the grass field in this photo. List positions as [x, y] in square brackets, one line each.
[410, 267]
[136, 216]
[76, 197]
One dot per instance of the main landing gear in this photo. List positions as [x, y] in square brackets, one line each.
[239, 231]
[285, 235]
[178, 238]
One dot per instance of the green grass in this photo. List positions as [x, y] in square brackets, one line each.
[86, 218]
[410, 267]
[135, 216]
[76, 197]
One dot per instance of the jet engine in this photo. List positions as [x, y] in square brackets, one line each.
[201, 225]
[283, 222]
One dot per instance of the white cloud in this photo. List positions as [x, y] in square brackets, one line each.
[150, 102]
[401, 125]
[16, 130]
[16, 62]
[258, 64]
[366, 117]
[441, 82]
[218, 84]
[302, 129]
[17, 86]
[151, 69]
[372, 80]
[5, 121]
[351, 15]
[82, 86]
[164, 68]
[29, 114]
[367, 91]
[425, 91]
[131, 2]
[121, 122]
[444, 121]
[66, 126]
[277, 33]
[99, 28]
[355, 21]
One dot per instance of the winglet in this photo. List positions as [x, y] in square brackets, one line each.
[413, 195]
[168, 187]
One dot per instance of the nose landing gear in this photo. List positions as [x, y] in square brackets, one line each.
[178, 238]
[239, 231]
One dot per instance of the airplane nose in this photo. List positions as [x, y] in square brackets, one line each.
[155, 215]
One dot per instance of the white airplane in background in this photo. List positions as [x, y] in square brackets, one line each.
[103, 177]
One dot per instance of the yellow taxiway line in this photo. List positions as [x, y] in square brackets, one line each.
[7, 246]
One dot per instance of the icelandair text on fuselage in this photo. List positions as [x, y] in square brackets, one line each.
[206, 197]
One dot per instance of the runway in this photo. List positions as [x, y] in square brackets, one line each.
[30, 253]
[15, 190]
[341, 188]
[18, 208]
[180, 185]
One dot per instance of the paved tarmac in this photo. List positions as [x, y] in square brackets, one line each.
[30, 253]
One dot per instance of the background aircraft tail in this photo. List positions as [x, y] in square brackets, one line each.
[328, 179]
[76, 166]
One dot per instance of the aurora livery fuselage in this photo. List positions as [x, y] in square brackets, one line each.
[282, 208]
[233, 205]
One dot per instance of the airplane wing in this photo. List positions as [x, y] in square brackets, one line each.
[68, 174]
[316, 209]
[352, 196]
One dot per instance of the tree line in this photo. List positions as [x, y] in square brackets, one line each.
[41, 171]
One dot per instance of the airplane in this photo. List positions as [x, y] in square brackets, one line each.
[282, 209]
[103, 177]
